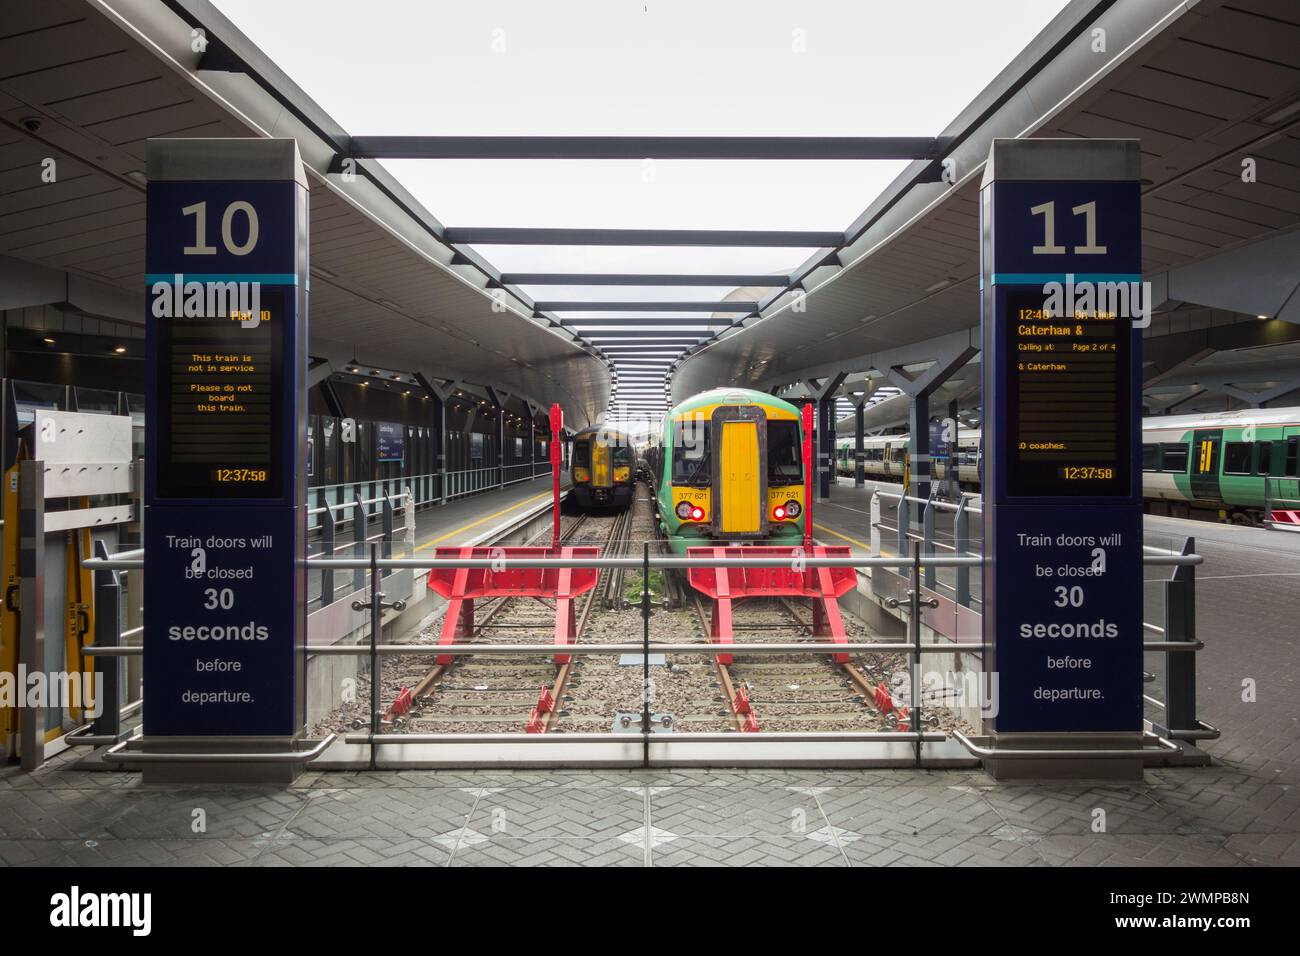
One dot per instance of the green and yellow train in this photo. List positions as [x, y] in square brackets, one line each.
[728, 468]
[1228, 464]
[1222, 462]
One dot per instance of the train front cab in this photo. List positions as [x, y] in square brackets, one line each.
[602, 472]
[736, 477]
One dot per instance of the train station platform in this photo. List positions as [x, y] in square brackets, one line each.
[1235, 814]
[1243, 810]
[1247, 602]
[482, 517]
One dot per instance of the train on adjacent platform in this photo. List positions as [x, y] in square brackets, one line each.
[1231, 463]
[602, 469]
[728, 467]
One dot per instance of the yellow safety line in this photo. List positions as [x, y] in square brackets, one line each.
[475, 524]
[845, 537]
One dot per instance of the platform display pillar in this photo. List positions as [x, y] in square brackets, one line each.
[1061, 306]
[225, 479]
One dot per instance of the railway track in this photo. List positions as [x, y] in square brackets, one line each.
[501, 694]
[796, 692]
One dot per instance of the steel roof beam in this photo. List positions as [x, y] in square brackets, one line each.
[648, 147]
[580, 306]
[648, 279]
[474, 235]
[633, 320]
[656, 334]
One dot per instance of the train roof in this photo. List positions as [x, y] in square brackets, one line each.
[604, 430]
[731, 396]
[1241, 417]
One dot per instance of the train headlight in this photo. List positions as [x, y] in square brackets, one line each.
[793, 509]
[684, 509]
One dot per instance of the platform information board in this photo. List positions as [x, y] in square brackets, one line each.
[1061, 308]
[225, 604]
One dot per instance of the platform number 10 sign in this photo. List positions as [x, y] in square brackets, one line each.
[199, 211]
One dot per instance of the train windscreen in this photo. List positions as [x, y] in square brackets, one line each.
[784, 457]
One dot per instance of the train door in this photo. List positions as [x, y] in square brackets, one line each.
[1204, 471]
[600, 465]
[740, 471]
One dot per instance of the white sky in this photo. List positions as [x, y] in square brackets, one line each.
[650, 67]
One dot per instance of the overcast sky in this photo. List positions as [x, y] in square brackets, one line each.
[650, 67]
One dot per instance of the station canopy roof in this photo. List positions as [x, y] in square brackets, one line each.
[86, 83]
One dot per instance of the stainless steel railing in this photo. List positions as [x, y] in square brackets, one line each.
[1179, 644]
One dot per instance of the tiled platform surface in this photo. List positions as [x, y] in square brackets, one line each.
[1210, 816]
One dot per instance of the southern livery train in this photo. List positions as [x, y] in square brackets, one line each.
[729, 467]
[1217, 462]
[602, 468]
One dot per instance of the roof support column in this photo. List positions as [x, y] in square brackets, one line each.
[919, 388]
[439, 426]
[823, 392]
[859, 434]
[498, 401]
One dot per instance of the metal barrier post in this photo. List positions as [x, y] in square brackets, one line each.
[914, 633]
[961, 544]
[927, 535]
[108, 595]
[327, 546]
[359, 535]
[31, 604]
[904, 517]
[376, 618]
[645, 654]
[875, 522]
[387, 524]
[1180, 625]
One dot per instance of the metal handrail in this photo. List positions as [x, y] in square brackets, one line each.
[978, 750]
[694, 737]
[346, 505]
[119, 754]
[115, 562]
[544, 649]
[936, 502]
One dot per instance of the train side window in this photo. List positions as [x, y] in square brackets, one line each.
[1236, 458]
[1173, 457]
[1150, 457]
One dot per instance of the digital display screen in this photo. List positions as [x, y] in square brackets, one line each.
[1068, 401]
[220, 402]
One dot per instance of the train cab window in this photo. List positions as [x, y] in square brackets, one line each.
[784, 458]
[582, 454]
[691, 465]
[620, 453]
[1173, 457]
[1236, 458]
[1150, 457]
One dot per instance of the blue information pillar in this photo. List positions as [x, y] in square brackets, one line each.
[1061, 297]
[225, 480]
